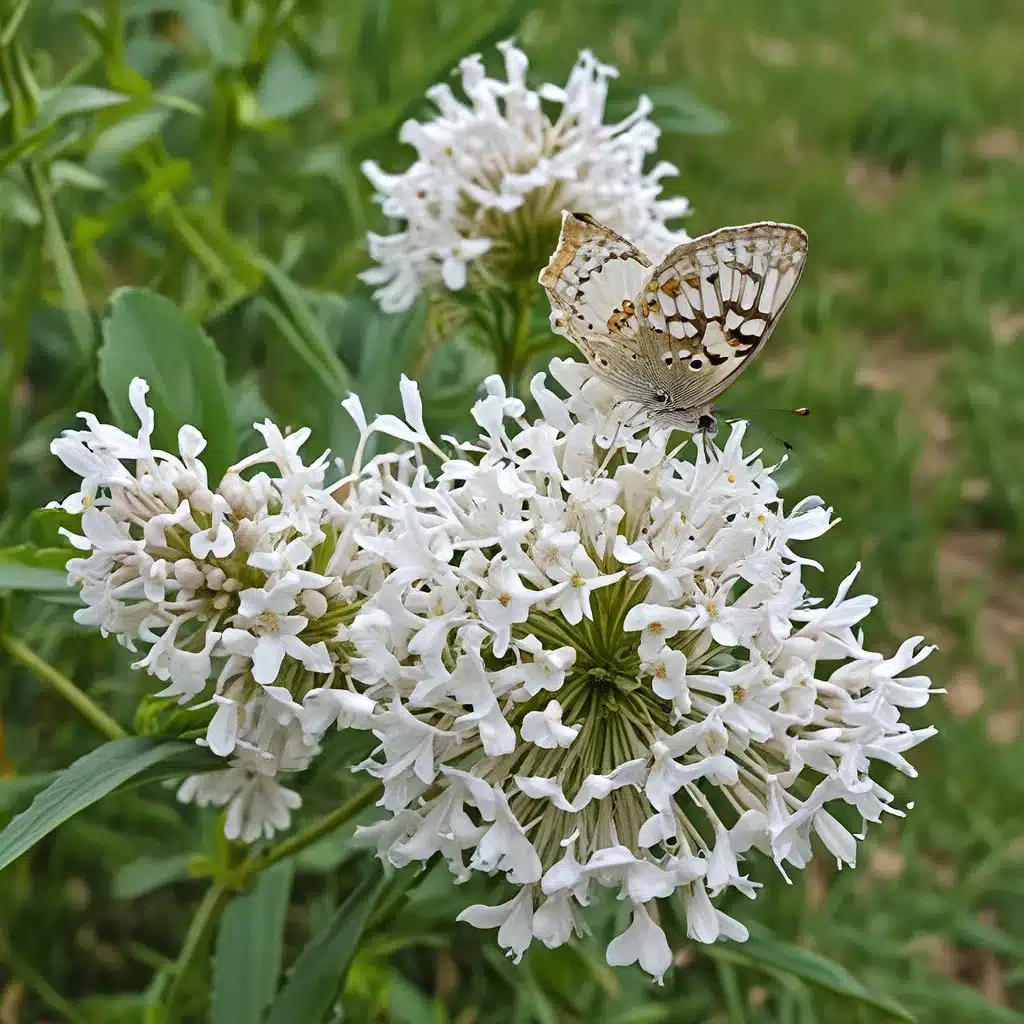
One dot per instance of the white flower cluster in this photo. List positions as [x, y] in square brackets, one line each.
[492, 176]
[586, 660]
[249, 585]
[601, 667]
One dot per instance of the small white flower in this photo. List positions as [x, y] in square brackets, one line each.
[545, 729]
[642, 942]
[495, 169]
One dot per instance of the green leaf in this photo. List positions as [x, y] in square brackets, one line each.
[247, 960]
[17, 572]
[763, 952]
[146, 335]
[287, 86]
[101, 771]
[959, 1002]
[305, 332]
[318, 975]
[148, 874]
[676, 112]
[26, 567]
[210, 24]
[117, 141]
[72, 100]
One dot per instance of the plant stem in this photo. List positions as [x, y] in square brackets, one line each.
[513, 346]
[309, 835]
[64, 686]
[15, 356]
[206, 915]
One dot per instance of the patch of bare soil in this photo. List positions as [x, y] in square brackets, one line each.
[889, 365]
[871, 184]
[1006, 324]
[969, 559]
[1000, 144]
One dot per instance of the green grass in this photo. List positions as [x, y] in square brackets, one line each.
[893, 133]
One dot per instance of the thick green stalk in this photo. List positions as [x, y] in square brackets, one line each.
[78, 699]
[309, 835]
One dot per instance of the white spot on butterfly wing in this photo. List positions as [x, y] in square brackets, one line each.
[787, 282]
[732, 320]
[749, 293]
[725, 280]
[709, 298]
[676, 329]
[753, 327]
[656, 320]
[771, 282]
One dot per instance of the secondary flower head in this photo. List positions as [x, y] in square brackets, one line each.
[235, 597]
[493, 172]
[612, 674]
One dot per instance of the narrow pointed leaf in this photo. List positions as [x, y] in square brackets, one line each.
[89, 779]
[318, 976]
[247, 961]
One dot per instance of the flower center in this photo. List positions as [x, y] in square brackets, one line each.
[504, 599]
[269, 621]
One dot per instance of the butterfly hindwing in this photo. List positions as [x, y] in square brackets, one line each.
[712, 303]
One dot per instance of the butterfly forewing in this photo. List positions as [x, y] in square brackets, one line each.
[592, 280]
[713, 302]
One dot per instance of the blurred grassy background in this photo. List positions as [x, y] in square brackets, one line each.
[892, 131]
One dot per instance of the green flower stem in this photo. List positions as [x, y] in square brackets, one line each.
[217, 895]
[15, 356]
[206, 916]
[64, 686]
[310, 834]
[22, 93]
[512, 347]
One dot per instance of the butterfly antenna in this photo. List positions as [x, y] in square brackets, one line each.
[802, 411]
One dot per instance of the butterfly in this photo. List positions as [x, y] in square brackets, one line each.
[674, 337]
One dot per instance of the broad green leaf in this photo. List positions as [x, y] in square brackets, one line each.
[89, 779]
[287, 86]
[210, 24]
[305, 332]
[117, 141]
[75, 99]
[318, 975]
[64, 172]
[762, 951]
[147, 874]
[146, 335]
[247, 959]
[27, 567]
